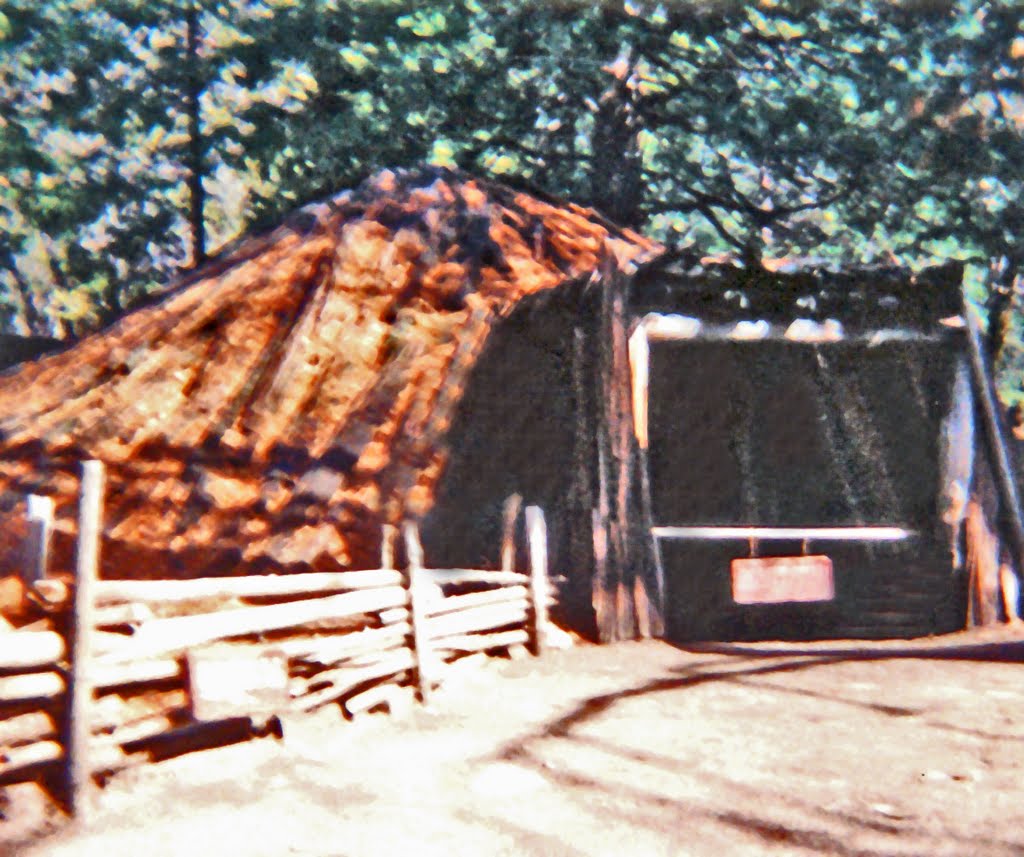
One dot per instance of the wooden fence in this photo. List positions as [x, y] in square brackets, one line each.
[138, 670]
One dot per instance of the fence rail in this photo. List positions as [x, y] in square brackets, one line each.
[146, 669]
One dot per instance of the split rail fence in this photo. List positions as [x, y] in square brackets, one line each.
[139, 670]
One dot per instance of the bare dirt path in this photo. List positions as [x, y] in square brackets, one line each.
[635, 749]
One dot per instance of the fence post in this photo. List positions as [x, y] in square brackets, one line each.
[78, 769]
[37, 549]
[509, 513]
[417, 614]
[387, 546]
[537, 536]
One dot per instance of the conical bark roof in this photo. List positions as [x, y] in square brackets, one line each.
[294, 394]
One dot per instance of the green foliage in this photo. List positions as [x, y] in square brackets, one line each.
[847, 132]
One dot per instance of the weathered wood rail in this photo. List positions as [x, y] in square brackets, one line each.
[141, 670]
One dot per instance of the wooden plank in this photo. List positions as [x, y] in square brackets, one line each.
[251, 586]
[454, 576]
[782, 580]
[78, 766]
[18, 764]
[422, 655]
[509, 515]
[162, 636]
[342, 681]
[24, 650]
[537, 538]
[331, 650]
[26, 728]
[30, 687]
[457, 603]
[487, 618]
[831, 534]
[389, 534]
[483, 642]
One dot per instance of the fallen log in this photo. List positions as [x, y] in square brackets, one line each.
[22, 763]
[163, 636]
[475, 619]
[191, 737]
[21, 650]
[455, 603]
[341, 681]
[250, 586]
[30, 687]
[483, 642]
[26, 728]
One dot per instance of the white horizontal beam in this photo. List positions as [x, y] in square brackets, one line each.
[844, 534]
[676, 328]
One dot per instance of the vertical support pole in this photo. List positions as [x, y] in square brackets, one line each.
[40, 526]
[509, 514]
[80, 687]
[417, 614]
[387, 546]
[537, 536]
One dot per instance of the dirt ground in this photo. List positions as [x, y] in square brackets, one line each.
[634, 749]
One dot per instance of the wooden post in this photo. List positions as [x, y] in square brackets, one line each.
[40, 526]
[80, 686]
[417, 612]
[509, 514]
[537, 536]
[993, 426]
[387, 546]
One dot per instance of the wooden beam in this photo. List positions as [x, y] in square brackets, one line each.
[40, 529]
[78, 766]
[537, 538]
[252, 586]
[829, 534]
[162, 636]
[30, 687]
[457, 603]
[25, 650]
[422, 656]
[454, 576]
[509, 515]
[992, 420]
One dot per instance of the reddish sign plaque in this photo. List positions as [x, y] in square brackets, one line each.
[782, 579]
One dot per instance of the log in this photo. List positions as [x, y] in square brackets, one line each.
[138, 730]
[146, 671]
[453, 576]
[509, 514]
[490, 617]
[76, 728]
[122, 614]
[162, 636]
[422, 657]
[51, 593]
[483, 642]
[456, 603]
[26, 728]
[22, 650]
[19, 764]
[251, 586]
[381, 694]
[39, 526]
[112, 712]
[30, 687]
[392, 617]
[388, 535]
[341, 681]
[191, 737]
[331, 650]
[537, 537]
